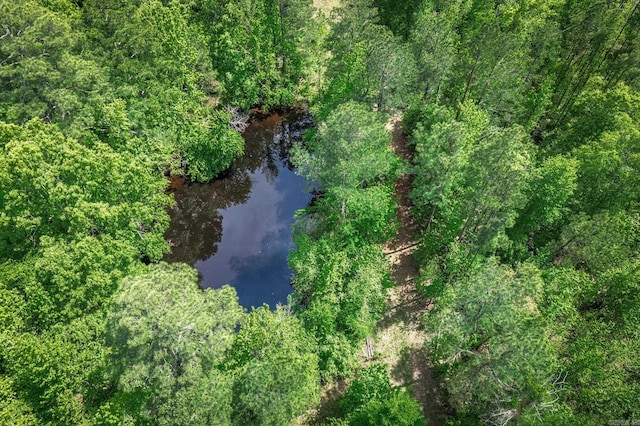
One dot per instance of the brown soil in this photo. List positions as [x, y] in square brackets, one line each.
[400, 337]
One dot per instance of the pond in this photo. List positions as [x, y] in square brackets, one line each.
[237, 230]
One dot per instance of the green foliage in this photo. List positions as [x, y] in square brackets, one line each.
[54, 186]
[471, 178]
[594, 37]
[13, 411]
[100, 97]
[391, 70]
[351, 150]
[425, 116]
[608, 174]
[103, 97]
[596, 110]
[549, 196]
[172, 110]
[598, 243]
[54, 373]
[346, 79]
[398, 408]
[208, 152]
[598, 321]
[490, 334]
[258, 49]
[168, 339]
[368, 63]
[602, 361]
[371, 400]
[43, 73]
[126, 79]
[372, 383]
[497, 55]
[276, 369]
[340, 272]
[172, 54]
[340, 275]
[68, 280]
[368, 214]
[342, 289]
[337, 357]
[433, 40]
[518, 345]
[399, 16]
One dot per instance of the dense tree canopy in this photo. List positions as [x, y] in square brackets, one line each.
[564, 199]
[523, 120]
[57, 187]
[168, 340]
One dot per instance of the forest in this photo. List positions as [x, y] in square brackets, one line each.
[521, 120]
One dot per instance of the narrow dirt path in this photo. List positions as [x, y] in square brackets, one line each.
[400, 338]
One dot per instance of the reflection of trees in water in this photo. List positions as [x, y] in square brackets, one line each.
[230, 191]
[269, 142]
[258, 138]
[270, 165]
[292, 132]
[196, 222]
[195, 230]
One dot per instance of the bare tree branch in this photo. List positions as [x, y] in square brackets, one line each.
[239, 120]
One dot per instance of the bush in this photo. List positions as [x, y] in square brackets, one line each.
[372, 400]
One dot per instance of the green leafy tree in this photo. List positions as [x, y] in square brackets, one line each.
[391, 70]
[433, 39]
[345, 285]
[597, 243]
[593, 36]
[502, 52]
[608, 173]
[549, 198]
[341, 293]
[169, 339]
[63, 280]
[259, 49]
[490, 336]
[600, 352]
[13, 310]
[471, 179]
[54, 186]
[43, 72]
[597, 110]
[350, 151]
[56, 375]
[371, 400]
[276, 368]
[369, 215]
[210, 151]
[167, 100]
[368, 63]
[399, 16]
[13, 411]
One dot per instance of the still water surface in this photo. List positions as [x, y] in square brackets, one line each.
[237, 230]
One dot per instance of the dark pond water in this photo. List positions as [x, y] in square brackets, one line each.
[237, 230]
